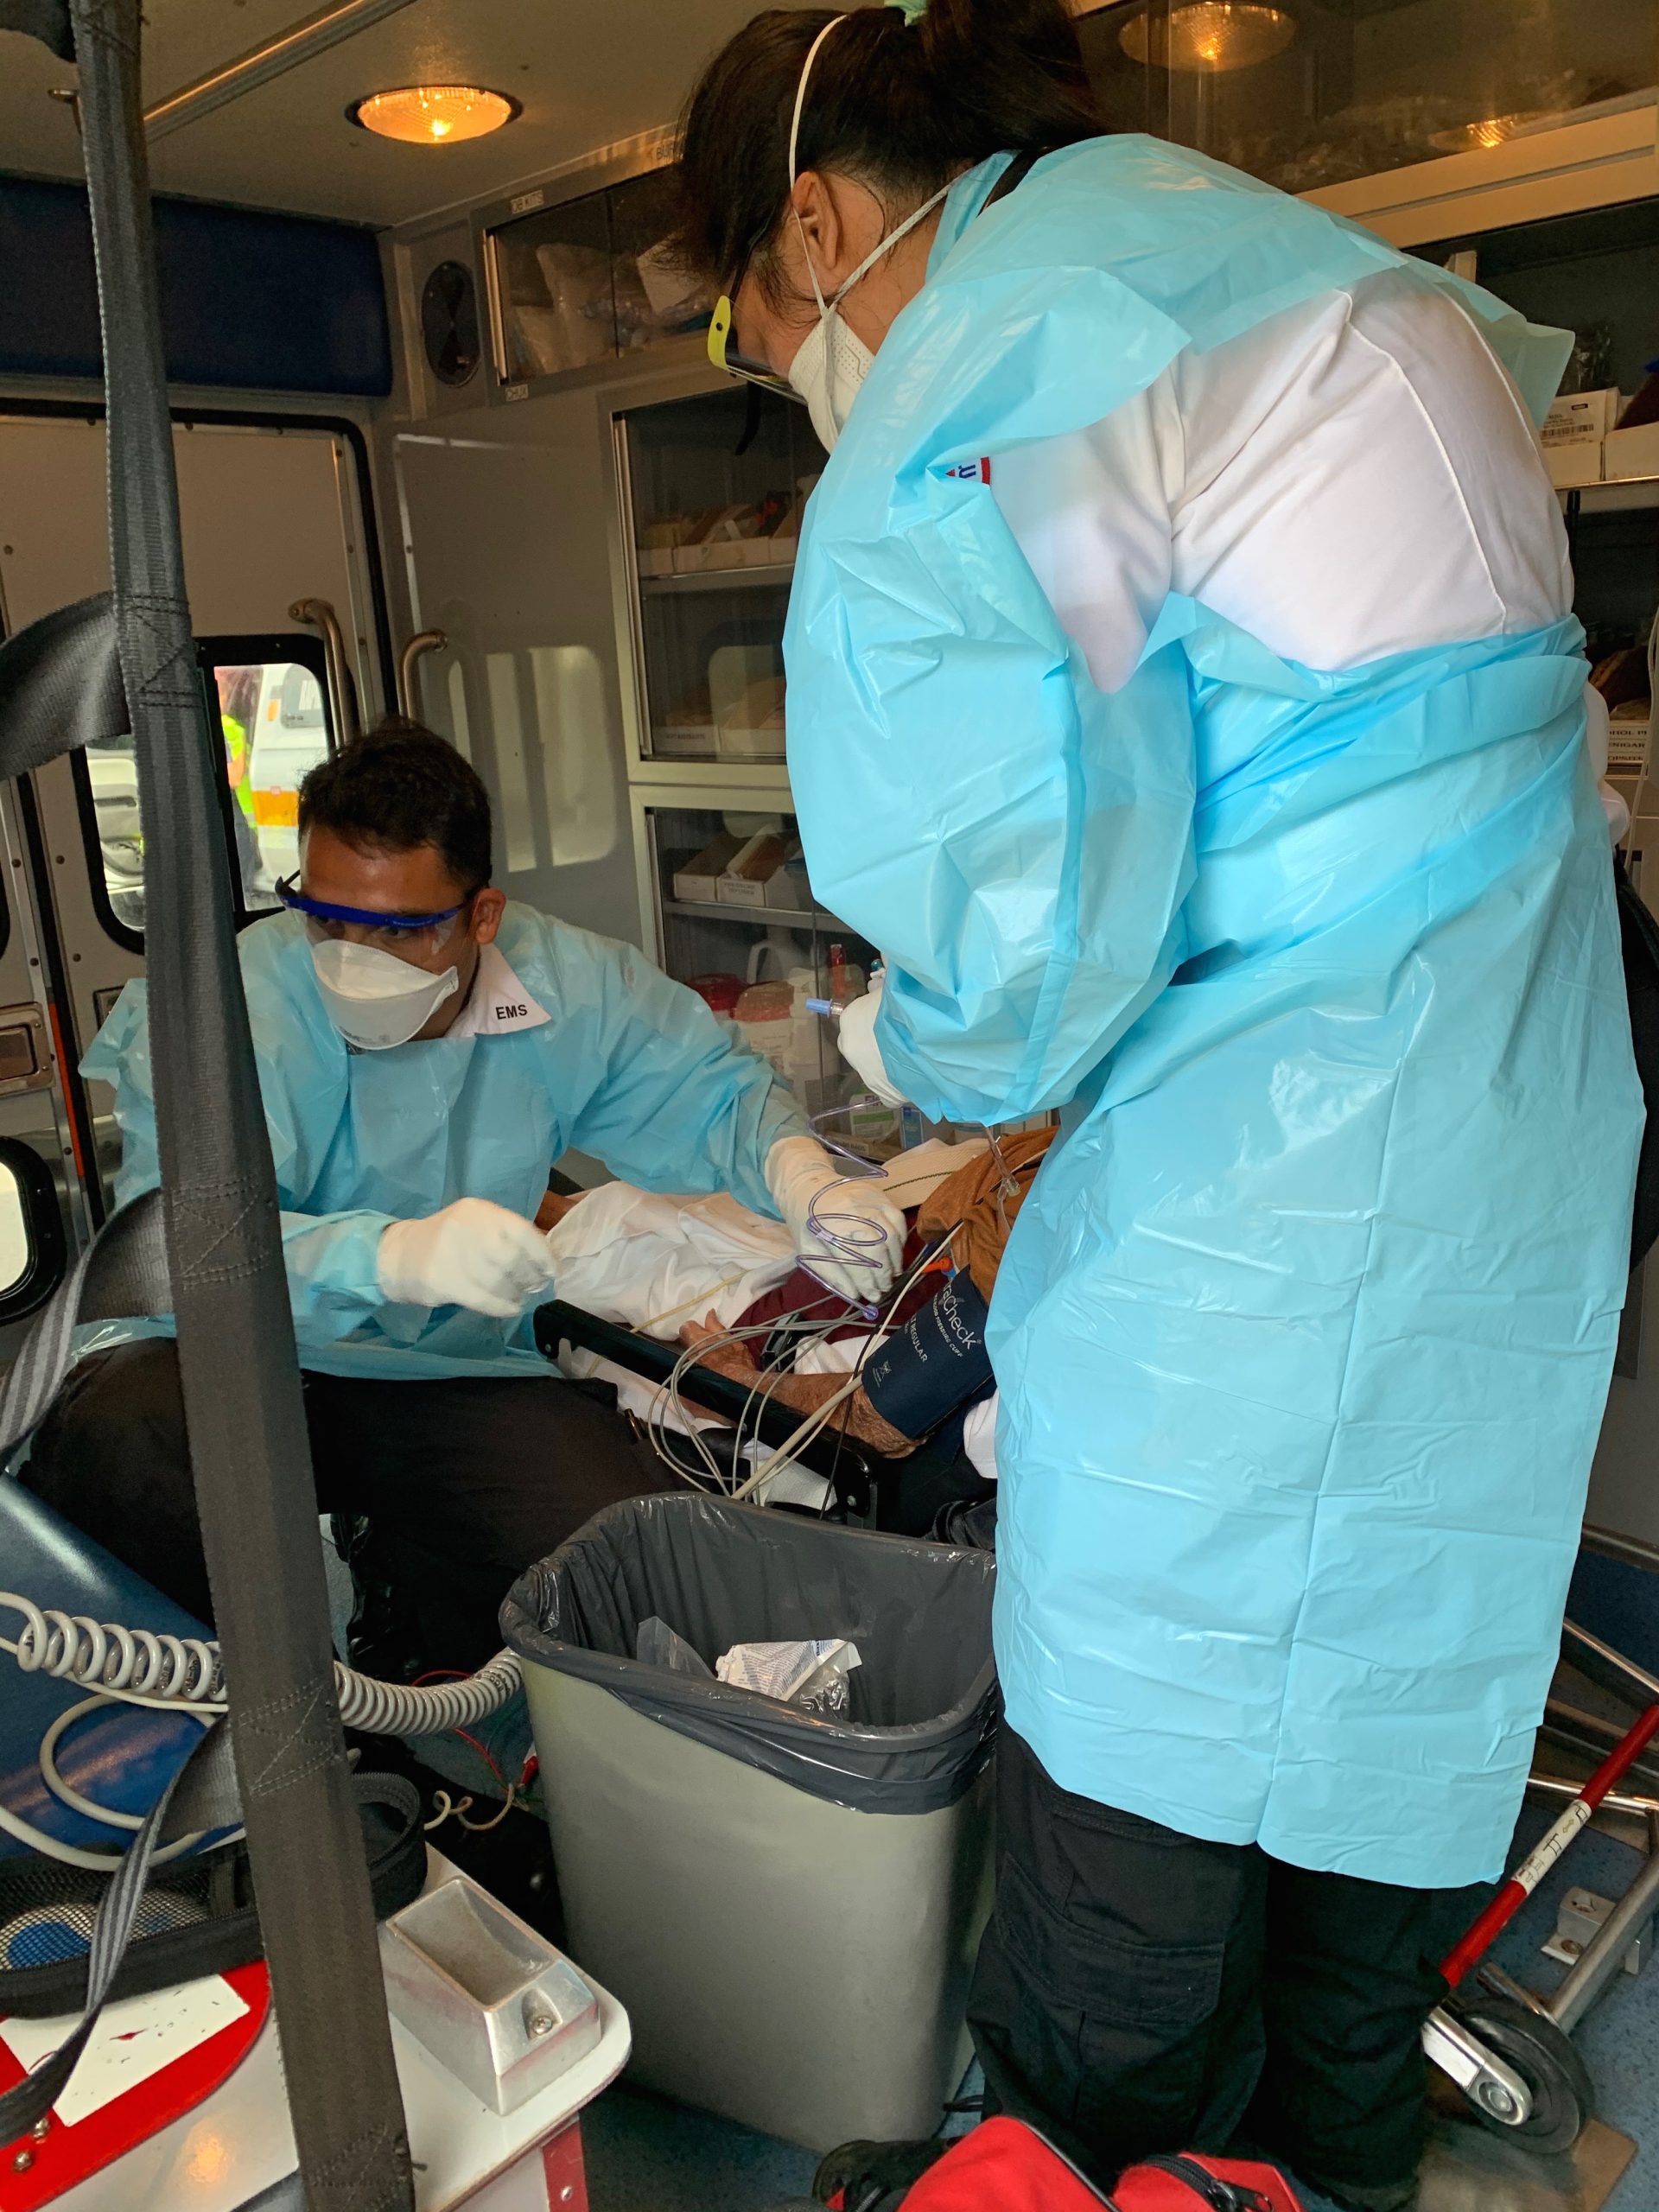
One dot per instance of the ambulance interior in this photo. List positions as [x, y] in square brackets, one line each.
[448, 442]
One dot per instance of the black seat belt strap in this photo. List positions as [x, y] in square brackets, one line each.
[248, 1454]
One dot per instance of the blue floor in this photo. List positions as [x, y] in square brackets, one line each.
[645, 2154]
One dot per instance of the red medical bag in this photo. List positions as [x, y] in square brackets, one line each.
[1002, 2166]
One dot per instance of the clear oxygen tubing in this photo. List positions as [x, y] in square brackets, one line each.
[711, 1474]
[185, 1673]
[856, 1240]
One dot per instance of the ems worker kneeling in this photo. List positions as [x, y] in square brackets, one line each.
[425, 1050]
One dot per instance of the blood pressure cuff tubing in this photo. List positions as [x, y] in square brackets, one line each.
[936, 1363]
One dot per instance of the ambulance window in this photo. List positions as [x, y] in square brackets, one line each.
[106, 782]
[31, 1232]
[16, 1246]
[286, 738]
[267, 697]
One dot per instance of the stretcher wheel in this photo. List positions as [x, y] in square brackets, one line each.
[1563, 2099]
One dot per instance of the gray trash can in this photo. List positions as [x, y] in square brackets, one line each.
[788, 1906]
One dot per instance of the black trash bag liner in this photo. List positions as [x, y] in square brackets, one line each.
[923, 1703]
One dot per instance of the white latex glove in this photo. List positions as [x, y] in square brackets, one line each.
[856, 1035]
[859, 1237]
[473, 1254]
[1598, 736]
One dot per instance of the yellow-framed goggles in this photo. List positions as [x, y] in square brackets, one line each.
[726, 358]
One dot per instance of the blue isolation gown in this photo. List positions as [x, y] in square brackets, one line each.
[1304, 1335]
[625, 1065]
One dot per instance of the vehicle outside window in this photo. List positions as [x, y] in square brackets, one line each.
[112, 773]
[273, 726]
[17, 1244]
[289, 736]
[31, 1231]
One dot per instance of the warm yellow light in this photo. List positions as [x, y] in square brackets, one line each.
[208, 2158]
[1210, 37]
[1491, 130]
[435, 115]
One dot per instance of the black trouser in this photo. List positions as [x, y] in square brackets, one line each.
[465, 1483]
[1139, 1990]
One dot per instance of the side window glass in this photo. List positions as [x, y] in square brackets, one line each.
[31, 1232]
[276, 729]
[267, 697]
[17, 1245]
[112, 775]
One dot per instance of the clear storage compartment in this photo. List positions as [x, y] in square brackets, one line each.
[715, 489]
[1309, 93]
[589, 278]
[738, 922]
[555, 290]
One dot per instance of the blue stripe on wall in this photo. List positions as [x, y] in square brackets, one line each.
[250, 301]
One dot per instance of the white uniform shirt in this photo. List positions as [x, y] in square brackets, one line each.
[498, 1004]
[1341, 483]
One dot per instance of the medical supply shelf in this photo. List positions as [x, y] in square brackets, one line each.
[757, 964]
[777, 576]
[711, 488]
[1619, 495]
[784, 916]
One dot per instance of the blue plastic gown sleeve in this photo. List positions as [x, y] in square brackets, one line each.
[1017, 842]
[1028, 909]
[677, 1106]
[331, 1258]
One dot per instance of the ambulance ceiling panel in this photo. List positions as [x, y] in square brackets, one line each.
[588, 73]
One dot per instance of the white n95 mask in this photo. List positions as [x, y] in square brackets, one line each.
[833, 361]
[374, 999]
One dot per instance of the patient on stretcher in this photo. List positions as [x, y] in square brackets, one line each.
[724, 1281]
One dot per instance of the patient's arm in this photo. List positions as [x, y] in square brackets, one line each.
[554, 1207]
[802, 1394]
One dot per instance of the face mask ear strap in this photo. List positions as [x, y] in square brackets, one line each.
[794, 141]
[882, 246]
[800, 93]
[894, 236]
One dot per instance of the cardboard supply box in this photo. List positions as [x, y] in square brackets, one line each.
[658, 540]
[1573, 434]
[1571, 467]
[750, 870]
[1628, 733]
[698, 881]
[1582, 418]
[1631, 453]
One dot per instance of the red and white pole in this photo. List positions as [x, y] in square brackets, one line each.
[1538, 1862]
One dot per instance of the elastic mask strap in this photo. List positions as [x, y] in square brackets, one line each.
[800, 91]
[877, 251]
[794, 140]
[882, 246]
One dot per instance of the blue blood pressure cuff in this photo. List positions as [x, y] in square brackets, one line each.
[933, 1364]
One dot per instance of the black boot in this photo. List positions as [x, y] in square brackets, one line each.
[873, 2176]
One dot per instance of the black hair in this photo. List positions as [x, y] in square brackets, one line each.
[400, 785]
[899, 106]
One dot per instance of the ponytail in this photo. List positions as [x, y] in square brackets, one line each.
[898, 99]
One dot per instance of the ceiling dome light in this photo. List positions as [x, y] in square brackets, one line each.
[434, 115]
[1208, 37]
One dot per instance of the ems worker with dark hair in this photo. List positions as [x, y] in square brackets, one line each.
[426, 1047]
